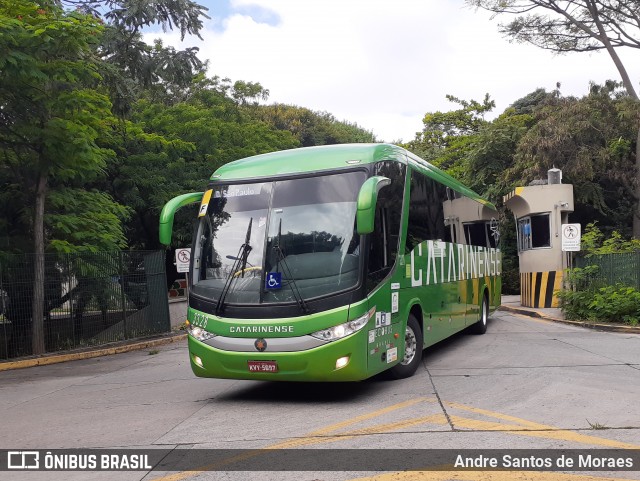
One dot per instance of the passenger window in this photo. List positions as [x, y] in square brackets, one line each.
[426, 213]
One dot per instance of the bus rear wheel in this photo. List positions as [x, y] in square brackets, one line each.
[480, 327]
[412, 351]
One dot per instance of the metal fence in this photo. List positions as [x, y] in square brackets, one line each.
[89, 299]
[614, 268]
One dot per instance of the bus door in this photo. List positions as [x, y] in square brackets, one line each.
[386, 339]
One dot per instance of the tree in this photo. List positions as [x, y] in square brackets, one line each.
[129, 65]
[578, 26]
[492, 154]
[591, 140]
[166, 150]
[448, 137]
[441, 127]
[310, 127]
[50, 115]
[63, 74]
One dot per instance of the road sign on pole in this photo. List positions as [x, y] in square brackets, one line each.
[183, 259]
[570, 237]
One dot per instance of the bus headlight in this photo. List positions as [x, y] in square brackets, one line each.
[342, 330]
[199, 333]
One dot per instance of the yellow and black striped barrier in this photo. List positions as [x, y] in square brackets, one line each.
[537, 288]
[512, 194]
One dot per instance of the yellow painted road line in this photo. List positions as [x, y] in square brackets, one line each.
[371, 415]
[314, 437]
[562, 434]
[484, 476]
[514, 426]
[542, 430]
[382, 428]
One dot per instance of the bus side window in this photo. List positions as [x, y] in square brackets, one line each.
[426, 211]
[385, 237]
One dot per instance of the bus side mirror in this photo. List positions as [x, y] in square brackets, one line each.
[169, 211]
[367, 199]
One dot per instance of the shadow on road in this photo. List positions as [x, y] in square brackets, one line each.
[303, 392]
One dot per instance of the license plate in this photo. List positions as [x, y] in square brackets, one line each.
[263, 366]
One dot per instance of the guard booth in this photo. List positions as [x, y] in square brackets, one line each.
[540, 209]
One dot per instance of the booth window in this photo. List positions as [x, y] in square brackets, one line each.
[534, 231]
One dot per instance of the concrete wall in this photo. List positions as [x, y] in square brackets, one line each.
[178, 311]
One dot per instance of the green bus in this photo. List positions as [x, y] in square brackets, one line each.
[334, 263]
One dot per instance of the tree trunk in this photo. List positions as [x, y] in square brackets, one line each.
[37, 306]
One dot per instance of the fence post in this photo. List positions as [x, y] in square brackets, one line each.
[123, 297]
[4, 316]
[72, 319]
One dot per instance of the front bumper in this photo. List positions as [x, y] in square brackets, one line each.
[316, 364]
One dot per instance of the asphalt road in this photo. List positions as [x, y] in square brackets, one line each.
[525, 384]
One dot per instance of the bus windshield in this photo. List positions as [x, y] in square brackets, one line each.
[275, 242]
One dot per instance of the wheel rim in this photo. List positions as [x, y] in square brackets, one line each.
[410, 346]
[485, 311]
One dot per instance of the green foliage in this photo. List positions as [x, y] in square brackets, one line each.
[130, 66]
[52, 110]
[590, 296]
[530, 102]
[616, 303]
[612, 303]
[309, 127]
[592, 140]
[85, 221]
[585, 26]
[575, 300]
[52, 113]
[440, 128]
[593, 242]
[493, 154]
[447, 137]
[510, 261]
[244, 92]
[167, 150]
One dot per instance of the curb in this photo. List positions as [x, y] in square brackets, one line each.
[75, 356]
[589, 325]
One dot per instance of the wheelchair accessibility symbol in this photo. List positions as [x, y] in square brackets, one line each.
[273, 280]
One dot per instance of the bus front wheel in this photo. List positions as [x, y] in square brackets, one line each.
[412, 351]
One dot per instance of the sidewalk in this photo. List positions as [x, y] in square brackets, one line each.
[91, 352]
[512, 304]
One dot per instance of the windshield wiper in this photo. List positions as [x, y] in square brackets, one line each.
[292, 282]
[243, 254]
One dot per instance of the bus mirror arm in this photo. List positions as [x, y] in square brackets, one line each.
[367, 199]
[169, 211]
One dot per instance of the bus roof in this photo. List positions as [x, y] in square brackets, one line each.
[306, 159]
[329, 157]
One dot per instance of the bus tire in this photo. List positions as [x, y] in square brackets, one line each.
[413, 343]
[480, 327]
